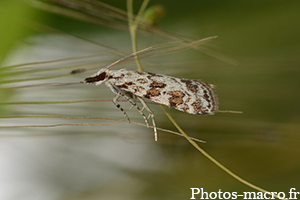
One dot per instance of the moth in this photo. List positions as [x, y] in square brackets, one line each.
[191, 96]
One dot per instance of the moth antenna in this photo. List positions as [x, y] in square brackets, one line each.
[162, 50]
[132, 55]
[230, 111]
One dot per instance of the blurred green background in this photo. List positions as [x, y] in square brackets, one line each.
[255, 68]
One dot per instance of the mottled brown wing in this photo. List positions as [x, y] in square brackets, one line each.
[191, 96]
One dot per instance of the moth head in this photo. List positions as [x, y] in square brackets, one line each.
[98, 78]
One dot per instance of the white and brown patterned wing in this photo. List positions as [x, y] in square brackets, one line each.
[191, 96]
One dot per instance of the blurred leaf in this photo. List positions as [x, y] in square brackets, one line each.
[12, 15]
[12, 27]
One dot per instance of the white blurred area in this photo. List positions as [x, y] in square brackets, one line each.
[45, 167]
[68, 162]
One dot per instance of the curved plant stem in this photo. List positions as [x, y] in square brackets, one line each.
[133, 28]
[213, 159]
[133, 25]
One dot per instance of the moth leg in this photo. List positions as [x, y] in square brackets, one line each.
[127, 98]
[151, 114]
[115, 99]
[131, 107]
[131, 100]
[134, 97]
